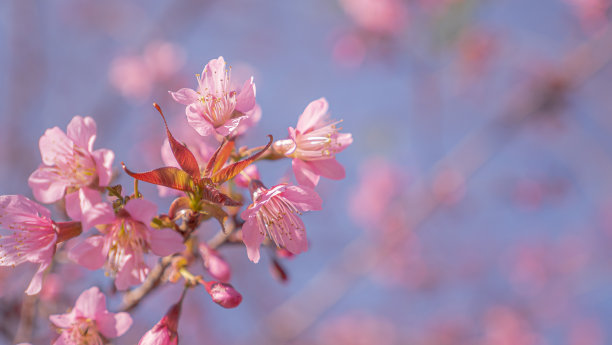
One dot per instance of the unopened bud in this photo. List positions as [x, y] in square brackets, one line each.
[223, 294]
[216, 266]
[165, 331]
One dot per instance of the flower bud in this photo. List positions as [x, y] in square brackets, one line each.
[223, 294]
[165, 331]
[216, 266]
[278, 271]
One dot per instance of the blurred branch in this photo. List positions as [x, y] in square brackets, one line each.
[359, 258]
[26, 320]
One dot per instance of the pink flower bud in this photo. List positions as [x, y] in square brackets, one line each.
[223, 294]
[216, 266]
[165, 331]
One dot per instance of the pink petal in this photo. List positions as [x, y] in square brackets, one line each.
[82, 131]
[36, 283]
[252, 118]
[130, 274]
[329, 168]
[46, 185]
[165, 242]
[113, 325]
[89, 253]
[212, 77]
[304, 198]
[197, 121]
[252, 237]
[63, 320]
[55, 146]
[104, 165]
[245, 100]
[298, 242]
[63, 339]
[314, 112]
[73, 206]
[90, 303]
[304, 173]
[185, 96]
[229, 126]
[11, 205]
[141, 210]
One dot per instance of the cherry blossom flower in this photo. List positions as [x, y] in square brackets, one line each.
[124, 241]
[275, 212]
[216, 106]
[86, 206]
[89, 321]
[34, 235]
[378, 16]
[69, 161]
[313, 145]
[165, 331]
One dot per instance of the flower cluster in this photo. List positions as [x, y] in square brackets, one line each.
[121, 231]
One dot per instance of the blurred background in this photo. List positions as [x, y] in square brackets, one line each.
[477, 207]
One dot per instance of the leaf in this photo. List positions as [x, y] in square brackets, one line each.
[232, 170]
[215, 211]
[170, 177]
[219, 157]
[185, 159]
[210, 193]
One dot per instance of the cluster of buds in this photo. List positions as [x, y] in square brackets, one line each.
[208, 183]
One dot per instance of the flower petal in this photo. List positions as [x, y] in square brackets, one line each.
[90, 303]
[252, 237]
[141, 210]
[89, 253]
[46, 185]
[36, 283]
[197, 121]
[55, 146]
[304, 198]
[104, 165]
[113, 325]
[165, 242]
[329, 168]
[185, 96]
[314, 112]
[245, 101]
[304, 173]
[82, 131]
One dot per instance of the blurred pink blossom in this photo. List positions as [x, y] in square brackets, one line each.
[218, 268]
[69, 161]
[89, 322]
[379, 16]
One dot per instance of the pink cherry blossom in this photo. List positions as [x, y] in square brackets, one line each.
[86, 206]
[216, 106]
[379, 16]
[275, 212]
[124, 241]
[89, 322]
[246, 176]
[165, 331]
[34, 236]
[69, 161]
[313, 145]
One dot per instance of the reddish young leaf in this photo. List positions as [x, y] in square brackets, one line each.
[170, 177]
[219, 157]
[232, 170]
[184, 157]
[211, 194]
